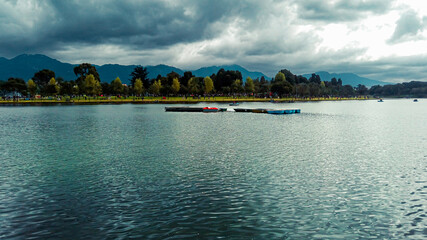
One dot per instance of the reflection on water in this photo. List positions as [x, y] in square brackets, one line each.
[350, 170]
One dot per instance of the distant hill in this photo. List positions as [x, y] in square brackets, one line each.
[24, 66]
[154, 71]
[207, 71]
[109, 72]
[348, 79]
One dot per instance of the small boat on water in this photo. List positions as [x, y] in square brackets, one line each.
[234, 104]
[210, 109]
[270, 111]
[195, 109]
[283, 111]
[415, 100]
[275, 111]
[381, 100]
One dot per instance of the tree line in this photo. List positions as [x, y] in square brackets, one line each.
[224, 82]
[409, 89]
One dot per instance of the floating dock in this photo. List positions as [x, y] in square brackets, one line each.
[183, 109]
[248, 110]
[193, 109]
[242, 110]
[270, 111]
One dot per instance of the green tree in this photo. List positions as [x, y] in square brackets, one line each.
[348, 91]
[75, 90]
[361, 89]
[264, 85]
[170, 77]
[138, 87]
[314, 78]
[280, 77]
[82, 71]
[237, 86]
[323, 89]
[226, 90]
[175, 85]
[117, 86]
[209, 86]
[42, 78]
[141, 73]
[156, 87]
[193, 85]
[314, 89]
[225, 78]
[53, 87]
[66, 88]
[91, 85]
[32, 87]
[249, 85]
[126, 90]
[15, 85]
[322, 84]
[106, 88]
[185, 78]
[291, 78]
[281, 87]
[303, 90]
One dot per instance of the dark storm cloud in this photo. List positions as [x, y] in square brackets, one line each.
[136, 24]
[340, 11]
[263, 36]
[143, 23]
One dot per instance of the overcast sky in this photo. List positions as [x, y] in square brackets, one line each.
[380, 39]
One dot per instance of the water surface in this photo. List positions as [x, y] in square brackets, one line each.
[346, 170]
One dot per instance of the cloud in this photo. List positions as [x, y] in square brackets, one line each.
[303, 36]
[340, 11]
[407, 27]
[137, 24]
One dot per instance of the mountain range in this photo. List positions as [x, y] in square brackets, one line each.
[347, 78]
[24, 66]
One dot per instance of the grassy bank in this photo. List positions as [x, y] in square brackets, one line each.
[171, 100]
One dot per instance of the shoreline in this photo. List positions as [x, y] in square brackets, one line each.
[171, 100]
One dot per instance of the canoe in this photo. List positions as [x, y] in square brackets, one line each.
[234, 104]
[275, 111]
[210, 109]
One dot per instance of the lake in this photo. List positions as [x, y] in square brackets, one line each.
[338, 170]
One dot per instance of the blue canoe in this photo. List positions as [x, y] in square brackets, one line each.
[275, 111]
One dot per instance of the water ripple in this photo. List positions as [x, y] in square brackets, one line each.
[338, 170]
